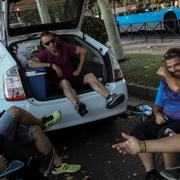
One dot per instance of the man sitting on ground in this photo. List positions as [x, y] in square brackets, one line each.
[132, 145]
[166, 113]
[57, 56]
[22, 127]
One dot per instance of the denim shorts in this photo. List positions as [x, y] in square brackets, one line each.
[10, 128]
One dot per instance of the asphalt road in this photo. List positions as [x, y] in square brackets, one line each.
[90, 145]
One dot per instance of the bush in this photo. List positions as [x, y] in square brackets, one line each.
[95, 28]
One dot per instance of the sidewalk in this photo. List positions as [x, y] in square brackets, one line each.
[141, 91]
[152, 46]
[138, 95]
[135, 102]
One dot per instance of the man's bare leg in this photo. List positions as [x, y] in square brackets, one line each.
[43, 144]
[25, 117]
[41, 141]
[169, 160]
[95, 84]
[68, 91]
[147, 160]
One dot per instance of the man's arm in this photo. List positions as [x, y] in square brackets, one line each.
[82, 52]
[37, 63]
[173, 82]
[157, 109]
[160, 118]
[167, 144]
[133, 145]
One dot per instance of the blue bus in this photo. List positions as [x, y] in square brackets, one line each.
[167, 17]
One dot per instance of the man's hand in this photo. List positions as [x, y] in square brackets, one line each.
[160, 118]
[77, 72]
[131, 145]
[3, 163]
[162, 71]
[57, 69]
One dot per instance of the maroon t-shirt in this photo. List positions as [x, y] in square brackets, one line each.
[63, 60]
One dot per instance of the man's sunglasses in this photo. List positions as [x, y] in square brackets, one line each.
[50, 41]
[169, 55]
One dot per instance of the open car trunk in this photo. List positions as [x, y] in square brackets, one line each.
[37, 82]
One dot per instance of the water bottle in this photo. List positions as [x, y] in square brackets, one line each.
[146, 109]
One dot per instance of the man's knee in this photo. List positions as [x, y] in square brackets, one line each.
[36, 131]
[64, 83]
[16, 111]
[90, 77]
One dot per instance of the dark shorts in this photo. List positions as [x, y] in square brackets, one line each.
[150, 130]
[77, 82]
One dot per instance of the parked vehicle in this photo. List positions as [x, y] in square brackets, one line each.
[22, 22]
[169, 17]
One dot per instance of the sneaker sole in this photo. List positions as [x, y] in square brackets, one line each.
[168, 176]
[46, 173]
[67, 172]
[119, 100]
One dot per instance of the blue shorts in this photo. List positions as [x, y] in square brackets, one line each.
[10, 128]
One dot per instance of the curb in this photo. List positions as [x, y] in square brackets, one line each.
[147, 93]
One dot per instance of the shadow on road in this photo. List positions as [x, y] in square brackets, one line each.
[90, 145]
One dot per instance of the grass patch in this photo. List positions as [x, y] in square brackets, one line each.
[141, 69]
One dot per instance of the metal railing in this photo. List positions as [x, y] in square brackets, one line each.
[159, 30]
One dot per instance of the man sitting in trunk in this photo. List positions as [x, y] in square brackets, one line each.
[57, 56]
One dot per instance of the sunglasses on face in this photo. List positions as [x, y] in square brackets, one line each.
[50, 41]
[169, 55]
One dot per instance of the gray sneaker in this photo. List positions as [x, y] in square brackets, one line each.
[113, 100]
[171, 174]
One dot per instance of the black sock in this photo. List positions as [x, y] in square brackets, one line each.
[153, 171]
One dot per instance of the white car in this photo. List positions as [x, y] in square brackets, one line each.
[22, 22]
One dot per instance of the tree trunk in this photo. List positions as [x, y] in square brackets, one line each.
[43, 11]
[125, 7]
[111, 28]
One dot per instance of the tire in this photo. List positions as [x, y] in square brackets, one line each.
[170, 23]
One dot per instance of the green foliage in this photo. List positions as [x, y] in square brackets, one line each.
[95, 28]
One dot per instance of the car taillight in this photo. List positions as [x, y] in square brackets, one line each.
[117, 74]
[13, 89]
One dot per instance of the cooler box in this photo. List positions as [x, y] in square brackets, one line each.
[37, 81]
